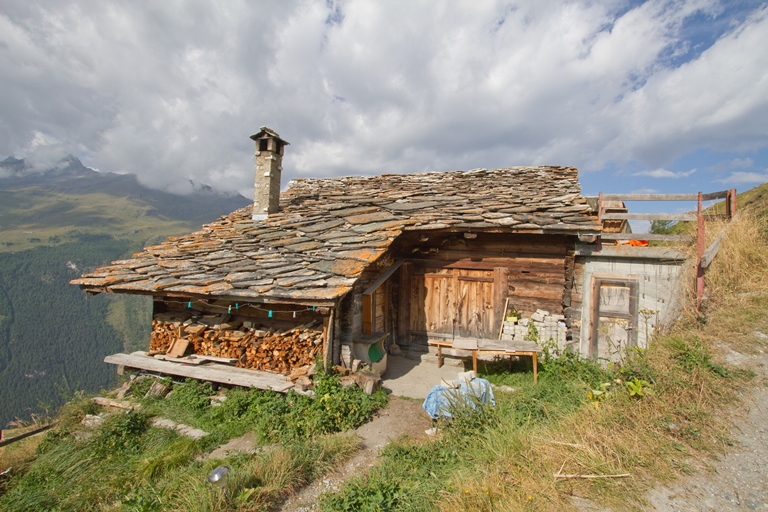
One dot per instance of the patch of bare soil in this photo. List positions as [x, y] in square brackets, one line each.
[739, 480]
[401, 417]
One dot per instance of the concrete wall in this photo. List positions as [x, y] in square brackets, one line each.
[658, 275]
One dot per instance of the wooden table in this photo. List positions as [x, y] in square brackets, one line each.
[489, 347]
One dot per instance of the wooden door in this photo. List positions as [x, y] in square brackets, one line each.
[614, 317]
[475, 315]
[452, 302]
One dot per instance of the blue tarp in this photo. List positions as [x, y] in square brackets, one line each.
[441, 398]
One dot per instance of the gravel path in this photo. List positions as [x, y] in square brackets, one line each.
[739, 480]
[401, 417]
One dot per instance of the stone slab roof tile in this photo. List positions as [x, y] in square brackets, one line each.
[329, 230]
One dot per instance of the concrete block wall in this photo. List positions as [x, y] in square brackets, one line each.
[659, 290]
[548, 326]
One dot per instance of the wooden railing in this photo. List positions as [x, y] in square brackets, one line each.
[704, 257]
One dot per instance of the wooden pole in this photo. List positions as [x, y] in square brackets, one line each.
[503, 317]
[328, 342]
[732, 211]
[699, 253]
[600, 219]
[11, 440]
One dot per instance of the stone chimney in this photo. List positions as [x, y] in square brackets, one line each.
[269, 165]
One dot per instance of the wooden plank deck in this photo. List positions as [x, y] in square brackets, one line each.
[212, 372]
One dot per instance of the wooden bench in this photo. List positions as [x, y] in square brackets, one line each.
[488, 347]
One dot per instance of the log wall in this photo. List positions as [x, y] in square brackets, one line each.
[454, 281]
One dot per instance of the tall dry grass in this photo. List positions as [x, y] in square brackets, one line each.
[673, 431]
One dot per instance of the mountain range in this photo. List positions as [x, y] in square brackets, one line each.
[56, 223]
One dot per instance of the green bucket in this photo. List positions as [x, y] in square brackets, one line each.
[374, 353]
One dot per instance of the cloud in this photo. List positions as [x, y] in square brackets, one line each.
[172, 90]
[736, 163]
[664, 173]
[741, 177]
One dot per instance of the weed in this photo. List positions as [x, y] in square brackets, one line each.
[691, 353]
[191, 395]
[367, 495]
[120, 433]
[638, 388]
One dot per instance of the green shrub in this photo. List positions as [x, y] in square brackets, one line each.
[191, 395]
[120, 433]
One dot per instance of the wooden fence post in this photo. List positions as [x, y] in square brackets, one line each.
[732, 203]
[699, 253]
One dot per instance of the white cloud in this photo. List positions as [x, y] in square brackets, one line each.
[171, 90]
[740, 177]
[664, 173]
[735, 163]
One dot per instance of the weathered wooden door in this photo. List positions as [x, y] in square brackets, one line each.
[452, 302]
[614, 317]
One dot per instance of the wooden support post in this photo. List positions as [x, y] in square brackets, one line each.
[368, 313]
[503, 316]
[600, 220]
[732, 203]
[699, 253]
[328, 341]
[535, 368]
[404, 306]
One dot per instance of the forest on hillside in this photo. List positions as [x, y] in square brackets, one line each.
[53, 338]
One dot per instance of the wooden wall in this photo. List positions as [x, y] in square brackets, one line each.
[451, 280]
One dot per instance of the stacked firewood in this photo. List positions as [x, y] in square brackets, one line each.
[252, 348]
[163, 335]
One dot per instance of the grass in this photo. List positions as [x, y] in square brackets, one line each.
[127, 464]
[660, 415]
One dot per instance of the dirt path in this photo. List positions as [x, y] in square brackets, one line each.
[739, 480]
[401, 417]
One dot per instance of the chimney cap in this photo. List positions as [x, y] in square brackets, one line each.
[267, 133]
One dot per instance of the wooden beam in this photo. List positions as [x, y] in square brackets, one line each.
[665, 197]
[649, 197]
[25, 435]
[120, 404]
[383, 277]
[647, 236]
[715, 195]
[688, 217]
[711, 252]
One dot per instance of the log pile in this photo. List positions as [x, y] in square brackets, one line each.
[254, 349]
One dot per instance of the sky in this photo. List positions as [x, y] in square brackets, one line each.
[657, 96]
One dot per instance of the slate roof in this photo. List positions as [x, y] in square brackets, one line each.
[329, 230]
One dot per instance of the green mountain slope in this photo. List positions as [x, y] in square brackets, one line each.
[53, 226]
[58, 205]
